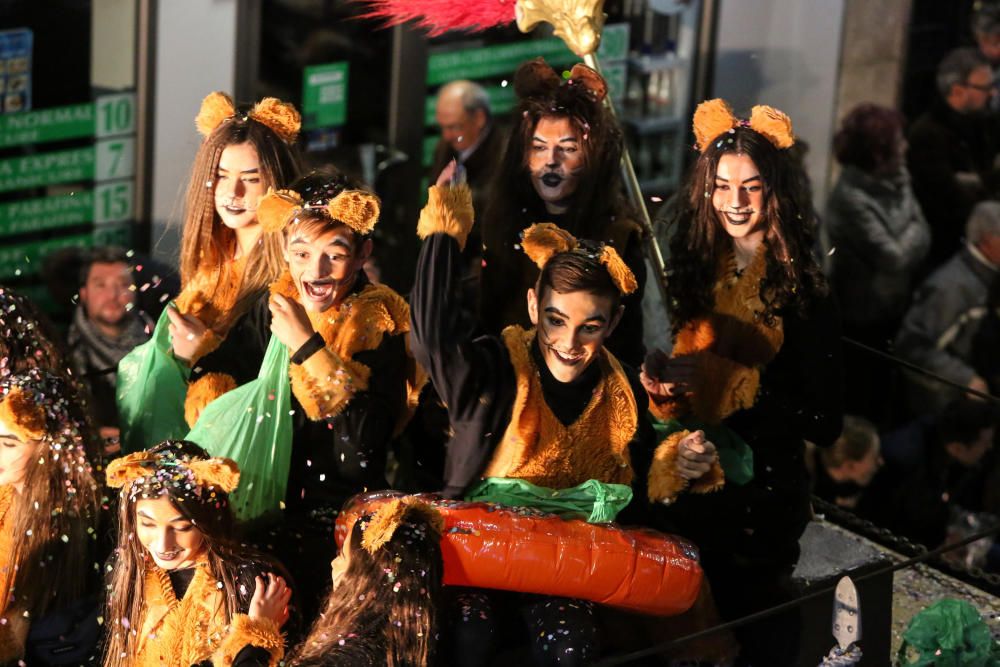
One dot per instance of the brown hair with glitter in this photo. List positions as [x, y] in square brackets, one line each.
[206, 243]
[385, 606]
[198, 500]
[55, 517]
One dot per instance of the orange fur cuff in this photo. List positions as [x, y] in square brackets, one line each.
[203, 391]
[448, 211]
[210, 342]
[325, 384]
[664, 482]
[21, 416]
[672, 408]
[245, 631]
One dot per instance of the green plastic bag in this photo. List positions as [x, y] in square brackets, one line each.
[593, 501]
[735, 455]
[252, 425]
[949, 633]
[150, 392]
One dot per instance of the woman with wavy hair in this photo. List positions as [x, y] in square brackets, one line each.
[48, 512]
[756, 350]
[383, 608]
[181, 590]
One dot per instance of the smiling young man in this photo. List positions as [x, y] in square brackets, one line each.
[350, 371]
[561, 165]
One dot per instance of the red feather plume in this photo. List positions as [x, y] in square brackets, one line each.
[441, 16]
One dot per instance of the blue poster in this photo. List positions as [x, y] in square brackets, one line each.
[15, 70]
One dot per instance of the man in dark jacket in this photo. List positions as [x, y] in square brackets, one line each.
[953, 146]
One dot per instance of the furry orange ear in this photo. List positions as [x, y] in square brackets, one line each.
[388, 517]
[534, 78]
[711, 119]
[215, 108]
[22, 416]
[773, 124]
[275, 209]
[283, 118]
[357, 209]
[543, 240]
[219, 472]
[621, 275]
[589, 79]
[123, 470]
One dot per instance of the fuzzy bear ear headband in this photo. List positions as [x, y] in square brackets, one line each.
[389, 516]
[536, 78]
[280, 117]
[542, 241]
[357, 209]
[714, 118]
[157, 470]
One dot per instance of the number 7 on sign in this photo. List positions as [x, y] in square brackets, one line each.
[115, 159]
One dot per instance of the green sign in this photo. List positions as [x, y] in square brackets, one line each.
[18, 261]
[106, 160]
[324, 95]
[110, 115]
[430, 143]
[107, 203]
[487, 61]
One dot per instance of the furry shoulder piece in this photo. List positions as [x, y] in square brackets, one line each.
[245, 631]
[210, 295]
[203, 391]
[448, 211]
[538, 448]
[325, 382]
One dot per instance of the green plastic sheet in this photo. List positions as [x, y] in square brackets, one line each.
[252, 425]
[735, 455]
[949, 633]
[593, 501]
[150, 392]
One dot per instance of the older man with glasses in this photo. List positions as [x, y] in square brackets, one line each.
[953, 149]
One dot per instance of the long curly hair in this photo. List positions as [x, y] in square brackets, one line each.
[55, 517]
[699, 242]
[206, 243]
[513, 202]
[234, 566]
[385, 607]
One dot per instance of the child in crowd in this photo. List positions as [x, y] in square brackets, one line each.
[48, 512]
[181, 591]
[384, 606]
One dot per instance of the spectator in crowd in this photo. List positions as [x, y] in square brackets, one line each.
[879, 237]
[953, 146]
[940, 332]
[561, 165]
[468, 136]
[986, 30]
[841, 473]
[932, 467]
[106, 326]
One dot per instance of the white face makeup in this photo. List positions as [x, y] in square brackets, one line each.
[738, 195]
[15, 457]
[238, 186]
[555, 162]
[324, 267]
[571, 329]
[171, 539]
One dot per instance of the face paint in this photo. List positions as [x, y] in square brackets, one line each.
[238, 186]
[556, 160]
[572, 329]
[738, 195]
[324, 267]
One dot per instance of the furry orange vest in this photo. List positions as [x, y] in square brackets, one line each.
[538, 448]
[194, 628]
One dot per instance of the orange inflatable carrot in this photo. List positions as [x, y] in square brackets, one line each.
[486, 545]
